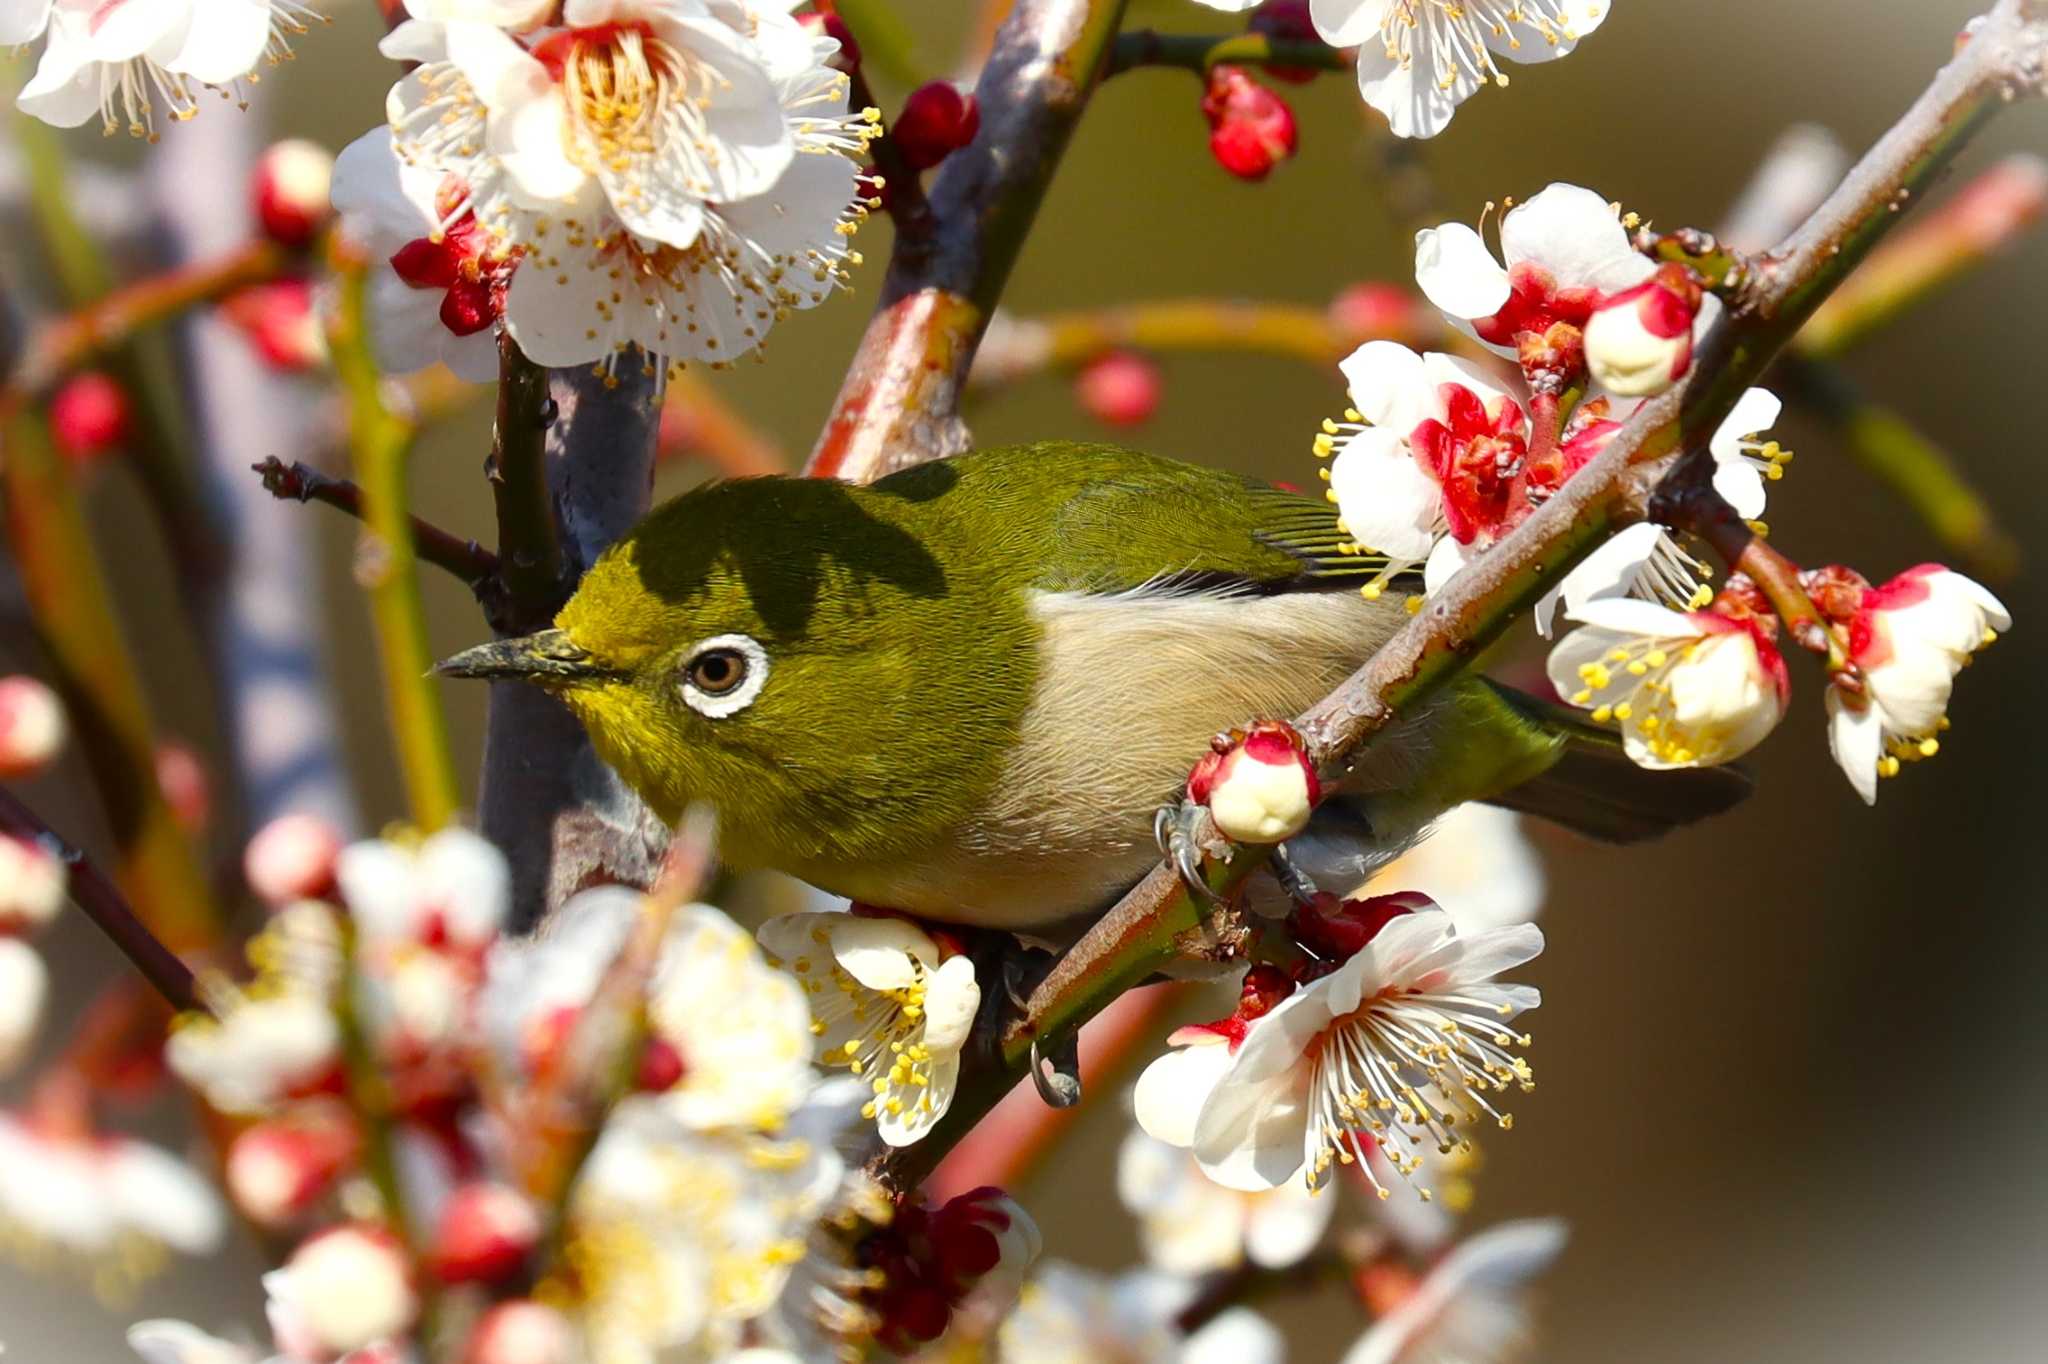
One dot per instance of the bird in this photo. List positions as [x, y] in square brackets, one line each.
[965, 691]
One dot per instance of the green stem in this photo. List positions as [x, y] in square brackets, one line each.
[388, 564]
[1203, 52]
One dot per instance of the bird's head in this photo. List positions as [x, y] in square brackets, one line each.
[782, 649]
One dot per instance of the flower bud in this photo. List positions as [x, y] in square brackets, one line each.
[1639, 342]
[1258, 784]
[33, 883]
[292, 858]
[937, 120]
[24, 989]
[1286, 21]
[292, 188]
[1120, 388]
[182, 779]
[522, 1332]
[282, 323]
[484, 1235]
[278, 1168]
[32, 727]
[1251, 129]
[89, 415]
[342, 1290]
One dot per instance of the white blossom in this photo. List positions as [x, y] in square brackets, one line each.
[94, 1195]
[1070, 1315]
[886, 1006]
[1471, 1307]
[1189, 1224]
[1476, 863]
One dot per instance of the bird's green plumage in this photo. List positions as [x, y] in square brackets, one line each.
[985, 672]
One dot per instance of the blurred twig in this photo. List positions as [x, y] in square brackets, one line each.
[386, 563]
[1203, 52]
[466, 559]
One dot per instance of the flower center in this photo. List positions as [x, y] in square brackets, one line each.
[1450, 35]
[1478, 460]
[1535, 305]
[631, 98]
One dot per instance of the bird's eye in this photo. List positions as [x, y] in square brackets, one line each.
[717, 671]
[723, 675]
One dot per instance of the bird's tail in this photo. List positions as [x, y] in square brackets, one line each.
[1593, 789]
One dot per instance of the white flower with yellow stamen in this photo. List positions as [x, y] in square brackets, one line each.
[886, 1006]
[1687, 688]
[1190, 1224]
[680, 176]
[1418, 60]
[1403, 1043]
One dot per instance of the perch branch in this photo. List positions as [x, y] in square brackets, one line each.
[530, 565]
[899, 404]
[466, 559]
[2003, 57]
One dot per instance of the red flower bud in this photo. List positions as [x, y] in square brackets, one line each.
[280, 321]
[937, 120]
[1373, 312]
[1258, 783]
[89, 415]
[661, 1066]
[1120, 388]
[291, 189]
[484, 1235]
[291, 858]
[32, 727]
[277, 1169]
[1639, 342]
[1251, 129]
[187, 789]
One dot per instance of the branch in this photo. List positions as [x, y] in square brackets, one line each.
[531, 573]
[1202, 53]
[104, 904]
[466, 559]
[386, 567]
[1140, 933]
[899, 404]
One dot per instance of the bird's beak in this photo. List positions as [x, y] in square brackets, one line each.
[546, 657]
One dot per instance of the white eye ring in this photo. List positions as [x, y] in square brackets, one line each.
[719, 705]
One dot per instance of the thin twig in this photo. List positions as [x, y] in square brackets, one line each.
[104, 904]
[1204, 52]
[1477, 605]
[466, 559]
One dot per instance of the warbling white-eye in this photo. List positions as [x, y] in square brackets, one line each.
[965, 690]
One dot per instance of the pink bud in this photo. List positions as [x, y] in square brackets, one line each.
[1258, 783]
[1251, 129]
[1120, 388]
[1639, 342]
[183, 780]
[32, 727]
[1373, 311]
[278, 1168]
[485, 1233]
[345, 1289]
[32, 885]
[292, 858]
[89, 415]
[282, 323]
[937, 120]
[291, 188]
[522, 1332]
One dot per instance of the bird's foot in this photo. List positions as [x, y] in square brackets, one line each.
[1056, 1068]
[1299, 885]
[1186, 834]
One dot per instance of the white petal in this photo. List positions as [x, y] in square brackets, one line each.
[65, 91]
[23, 21]
[1148, 1170]
[1388, 503]
[1346, 23]
[1609, 571]
[553, 310]
[1382, 376]
[376, 881]
[1458, 273]
[1250, 1134]
[1577, 236]
[1755, 412]
[951, 998]
[228, 45]
[1285, 1225]
[1526, 43]
[1414, 102]
[882, 954]
[1856, 739]
[1637, 619]
[1742, 485]
[1486, 383]
[1444, 562]
[1238, 1336]
[1170, 1093]
[176, 1342]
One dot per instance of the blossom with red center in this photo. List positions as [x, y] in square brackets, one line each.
[32, 727]
[1430, 462]
[1909, 638]
[292, 189]
[1251, 128]
[1171, 1090]
[1687, 688]
[292, 858]
[1639, 342]
[464, 265]
[1257, 783]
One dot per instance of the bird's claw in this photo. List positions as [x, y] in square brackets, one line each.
[1056, 1071]
[1299, 885]
[1184, 833]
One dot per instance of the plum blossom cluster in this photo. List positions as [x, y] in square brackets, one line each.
[423, 1106]
[120, 59]
[657, 174]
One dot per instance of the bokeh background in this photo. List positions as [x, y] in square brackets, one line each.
[1792, 1063]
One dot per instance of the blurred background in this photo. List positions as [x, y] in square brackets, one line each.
[1791, 1062]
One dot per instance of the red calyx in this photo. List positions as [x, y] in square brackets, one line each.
[937, 120]
[1836, 592]
[466, 266]
[1336, 929]
[89, 415]
[929, 1259]
[1251, 128]
[1286, 21]
[1478, 460]
[1535, 306]
[1120, 388]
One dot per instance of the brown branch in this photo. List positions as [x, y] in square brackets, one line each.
[2003, 57]
[104, 904]
[1203, 52]
[899, 404]
[466, 559]
[531, 576]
